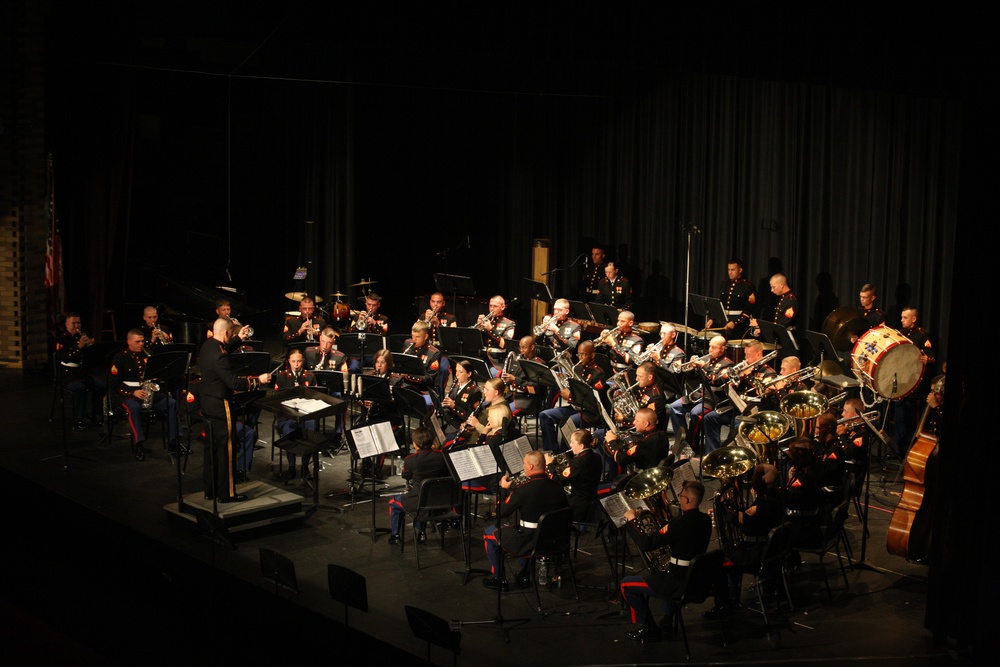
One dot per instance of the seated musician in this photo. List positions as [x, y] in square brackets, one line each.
[712, 365]
[767, 511]
[369, 320]
[666, 354]
[853, 435]
[153, 333]
[306, 326]
[223, 309]
[557, 330]
[549, 420]
[803, 493]
[499, 427]
[436, 316]
[322, 356]
[687, 536]
[127, 375]
[295, 376]
[622, 343]
[649, 447]
[476, 423]
[371, 412]
[723, 416]
[419, 344]
[580, 474]
[423, 464]
[70, 345]
[499, 331]
[527, 394]
[464, 397]
[832, 458]
[532, 499]
[614, 290]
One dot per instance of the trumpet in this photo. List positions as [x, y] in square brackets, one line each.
[607, 337]
[362, 322]
[648, 353]
[238, 326]
[433, 315]
[694, 363]
[160, 336]
[483, 319]
[540, 329]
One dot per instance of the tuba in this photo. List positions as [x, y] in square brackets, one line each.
[804, 407]
[649, 486]
[761, 436]
[730, 464]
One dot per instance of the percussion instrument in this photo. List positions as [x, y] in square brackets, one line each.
[363, 283]
[842, 325]
[298, 296]
[340, 312]
[736, 350]
[887, 362]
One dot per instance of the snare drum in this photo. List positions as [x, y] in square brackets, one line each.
[736, 350]
[887, 362]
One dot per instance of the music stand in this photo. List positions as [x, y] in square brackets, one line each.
[777, 333]
[538, 373]
[578, 310]
[347, 587]
[709, 308]
[461, 340]
[360, 345]
[479, 366]
[448, 283]
[372, 442]
[604, 314]
[279, 569]
[539, 291]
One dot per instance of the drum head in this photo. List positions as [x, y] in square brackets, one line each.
[888, 362]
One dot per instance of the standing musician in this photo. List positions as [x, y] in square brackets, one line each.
[614, 290]
[738, 299]
[70, 344]
[218, 383]
[369, 320]
[464, 397]
[687, 536]
[907, 408]
[592, 276]
[296, 376]
[322, 356]
[712, 365]
[419, 344]
[580, 475]
[557, 330]
[436, 316]
[622, 343]
[589, 372]
[499, 329]
[532, 499]
[305, 327]
[716, 419]
[868, 309]
[128, 370]
[527, 394]
[153, 333]
[652, 446]
[786, 311]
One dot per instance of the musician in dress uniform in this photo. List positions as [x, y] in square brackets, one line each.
[223, 308]
[218, 383]
[527, 394]
[436, 316]
[666, 354]
[715, 396]
[560, 332]
[476, 423]
[418, 344]
[907, 408]
[868, 310]
[738, 300]
[295, 376]
[70, 346]
[592, 275]
[786, 311]
[305, 327]
[580, 475]
[464, 397]
[498, 328]
[532, 499]
[804, 493]
[128, 370]
[370, 320]
[622, 343]
[651, 447]
[614, 290]
[647, 393]
[322, 357]
[154, 334]
[723, 416]
[589, 372]
[687, 536]
[423, 464]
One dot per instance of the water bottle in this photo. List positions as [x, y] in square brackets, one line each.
[543, 573]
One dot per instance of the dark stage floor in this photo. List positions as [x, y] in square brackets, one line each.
[95, 573]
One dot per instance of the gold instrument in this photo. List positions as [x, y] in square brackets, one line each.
[150, 387]
[624, 441]
[540, 329]
[566, 367]
[693, 363]
[159, 335]
[649, 486]
[730, 464]
[804, 407]
[625, 402]
[736, 370]
[608, 337]
[761, 386]
[857, 420]
[762, 436]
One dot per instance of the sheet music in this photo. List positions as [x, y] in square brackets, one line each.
[514, 453]
[616, 505]
[374, 440]
[685, 472]
[473, 462]
[305, 405]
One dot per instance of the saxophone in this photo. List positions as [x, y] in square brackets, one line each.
[150, 387]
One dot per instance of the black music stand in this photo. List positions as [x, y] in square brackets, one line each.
[448, 283]
[479, 366]
[710, 308]
[279, 569]
[304, 442]
[371, 442]
[539, 291]
[776, 333]
[465, 341]
[360, 345]
[377, 391]
[604, 314]
[578, 310]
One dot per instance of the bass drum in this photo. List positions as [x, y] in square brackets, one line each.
[887, 362]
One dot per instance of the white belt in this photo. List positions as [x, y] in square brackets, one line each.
[528, 524]
[69, 364]
[131, 383]
[755, 538]
[734, 312]
[681, 563]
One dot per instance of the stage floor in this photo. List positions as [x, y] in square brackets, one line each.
[63, 509]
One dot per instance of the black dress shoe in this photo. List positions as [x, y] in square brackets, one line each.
[140, 453]
[649, 633]
[238, 498]
[421, 537]
[494, 583]
[394, 538]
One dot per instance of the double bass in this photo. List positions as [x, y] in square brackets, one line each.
[909, 532]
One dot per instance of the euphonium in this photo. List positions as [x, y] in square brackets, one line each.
[567, 368]
[625, 402]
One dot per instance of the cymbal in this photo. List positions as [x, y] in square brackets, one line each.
[843, 323]
[363, 282]
[683, 329]
[338, 294]
[298, 296]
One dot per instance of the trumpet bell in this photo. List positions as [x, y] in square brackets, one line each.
[729, 462]
[648, 483]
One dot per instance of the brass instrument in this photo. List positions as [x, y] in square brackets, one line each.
[433, 315]
[540, 329]
[624, 441]
[567, 368]
[362, 322]
[761, 436]
[649, 486]
[804, 407]
[608, 337]
[691, 364]
[150, 387]
[740, 368]
[560, 462]
[761, 386]
[856, 420]
[160, 335]
[730, 464]
[310, 333]
[484, 319]
[239, 326]
[647, 354]
[625, 402]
